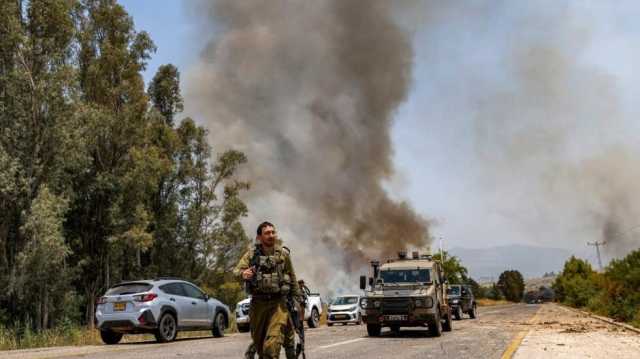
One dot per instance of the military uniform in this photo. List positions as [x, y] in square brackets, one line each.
[275, 278]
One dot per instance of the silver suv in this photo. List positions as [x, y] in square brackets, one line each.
[161, 306]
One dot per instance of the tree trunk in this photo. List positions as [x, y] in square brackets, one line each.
[107, 276]
[38, 321]
[45, 309]
[91, 310]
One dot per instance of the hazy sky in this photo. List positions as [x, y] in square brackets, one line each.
[521, 123]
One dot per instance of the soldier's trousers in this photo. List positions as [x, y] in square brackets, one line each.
[269, 319]
[289, 346]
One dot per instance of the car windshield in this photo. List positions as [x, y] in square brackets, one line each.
[345, 300]
[406, 276]
[129, 288]
[453, 290]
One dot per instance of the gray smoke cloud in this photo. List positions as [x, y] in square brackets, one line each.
[308, 90]
[552, 123]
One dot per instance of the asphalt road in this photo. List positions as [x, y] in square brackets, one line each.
[485, 337]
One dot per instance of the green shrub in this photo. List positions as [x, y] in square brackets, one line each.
[620, 298]
[576, 284]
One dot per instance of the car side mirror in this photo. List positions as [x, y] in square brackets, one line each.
[206, 297]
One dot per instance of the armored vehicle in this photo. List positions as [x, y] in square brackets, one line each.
[461, 300]
[406, 292]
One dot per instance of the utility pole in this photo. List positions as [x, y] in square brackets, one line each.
[597, 245]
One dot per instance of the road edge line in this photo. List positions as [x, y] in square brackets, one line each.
[517, 340]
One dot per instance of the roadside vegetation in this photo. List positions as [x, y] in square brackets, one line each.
[615, 293]
[100, 179]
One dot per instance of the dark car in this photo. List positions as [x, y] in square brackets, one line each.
[461, 300]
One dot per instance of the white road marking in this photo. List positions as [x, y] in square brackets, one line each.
[341, 343]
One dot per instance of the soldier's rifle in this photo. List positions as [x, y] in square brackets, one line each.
[254, 264]
[297, 324]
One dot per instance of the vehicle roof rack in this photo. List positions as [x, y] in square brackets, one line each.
[167, 278]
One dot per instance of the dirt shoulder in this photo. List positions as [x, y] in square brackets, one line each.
[558, 332]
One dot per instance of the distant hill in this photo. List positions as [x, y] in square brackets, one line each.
[486, 264]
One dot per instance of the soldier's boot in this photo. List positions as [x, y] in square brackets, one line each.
[290, 352]
[251, 352]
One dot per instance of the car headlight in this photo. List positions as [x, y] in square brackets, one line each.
[423, 302]
[352, 309]
[455, 301]
[428, 302]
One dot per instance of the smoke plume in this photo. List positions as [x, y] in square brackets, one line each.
[553, 116]
[308, 90]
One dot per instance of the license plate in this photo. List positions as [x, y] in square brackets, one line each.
[119, 306]
[395, 317]
[341, 316]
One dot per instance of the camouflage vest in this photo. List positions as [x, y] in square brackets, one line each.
[271, 277]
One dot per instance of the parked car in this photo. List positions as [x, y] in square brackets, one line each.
[242, 315]
[162, 307]
[312, 312]
[345, 309]
[461, 300]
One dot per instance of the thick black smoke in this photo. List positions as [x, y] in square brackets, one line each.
[308, 90]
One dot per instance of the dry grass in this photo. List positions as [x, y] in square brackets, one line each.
[11, 339]
[323, 316]
[486, 302]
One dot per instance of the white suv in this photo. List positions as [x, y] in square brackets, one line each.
[160, 306]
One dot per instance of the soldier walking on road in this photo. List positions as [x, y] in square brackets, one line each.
[269, 271]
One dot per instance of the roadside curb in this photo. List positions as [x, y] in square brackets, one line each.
[604, 319]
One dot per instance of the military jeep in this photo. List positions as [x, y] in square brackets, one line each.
[406, 292]
[461, 300]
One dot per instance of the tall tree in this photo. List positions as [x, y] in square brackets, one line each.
[40, 140]
[164, 91]
[454, 271]
[109, 216]
[42, 276]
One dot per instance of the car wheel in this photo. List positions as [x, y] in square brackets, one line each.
[473, 313]
[458, 313]
[374, 330]
[314, 318]
[243, 328]
[448, 322]
[218, 325]
[435, 327]
[167, 329]
[359, 320]
[109, 337]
